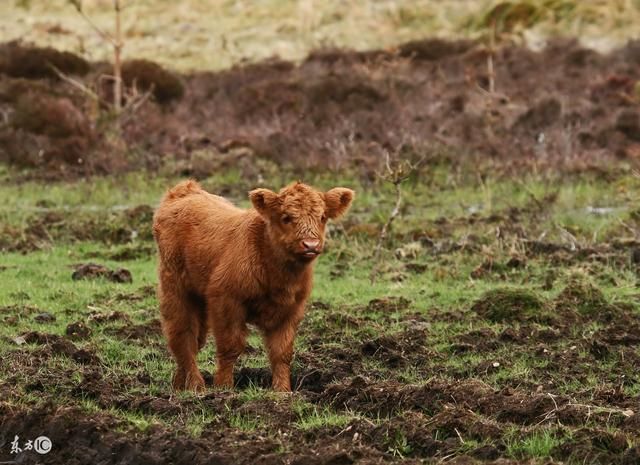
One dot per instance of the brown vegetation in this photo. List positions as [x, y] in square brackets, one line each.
[36, 62]
[566, 107]
[151, 77]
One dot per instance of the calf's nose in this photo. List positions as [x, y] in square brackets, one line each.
[311, 244]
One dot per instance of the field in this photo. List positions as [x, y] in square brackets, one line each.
[503, 321]
[215, 34]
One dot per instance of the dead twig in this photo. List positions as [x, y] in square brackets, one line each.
[77, 84]
[396, 175]
[610, 410]
[134, 100]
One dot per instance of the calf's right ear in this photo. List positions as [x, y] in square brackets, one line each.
[263, 200]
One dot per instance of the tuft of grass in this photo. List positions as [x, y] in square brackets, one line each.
[310, 416]
[538, 444]
[399, 445]
[244, 422]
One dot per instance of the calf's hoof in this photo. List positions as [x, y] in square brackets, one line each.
[223, 381]
[178, 380]
[284, 387]
[194, 382]
[188, 381]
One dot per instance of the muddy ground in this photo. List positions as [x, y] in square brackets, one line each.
[452, 414]
[565, 107]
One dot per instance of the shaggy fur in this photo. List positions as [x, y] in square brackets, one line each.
[222, 267]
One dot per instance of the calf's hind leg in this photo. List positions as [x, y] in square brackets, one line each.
[181, 322]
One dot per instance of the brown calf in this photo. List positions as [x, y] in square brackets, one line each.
[222, 267]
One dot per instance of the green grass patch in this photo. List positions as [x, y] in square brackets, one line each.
[538, 444]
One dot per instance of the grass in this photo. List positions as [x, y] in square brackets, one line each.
[214, 34]
[399, 446]
[243, 422]
[539, 444]
[438, 315]
[310, 417]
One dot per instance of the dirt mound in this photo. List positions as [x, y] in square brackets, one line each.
[35, 62]
[594, 446]
[93, 271]
[149, 76]
[583, 297]
[57, 345]
[512, 305]
[433, 49]
[78, 331]
[343, 108]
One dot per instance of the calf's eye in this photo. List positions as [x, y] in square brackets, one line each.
[324, 218]
[286, 219]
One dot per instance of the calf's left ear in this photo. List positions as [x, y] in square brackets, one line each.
[337, 201]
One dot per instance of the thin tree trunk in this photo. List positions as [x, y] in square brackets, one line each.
[117, 66]
[492, 50]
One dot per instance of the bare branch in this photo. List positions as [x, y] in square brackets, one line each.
[77, 84]
[134, 102]
[395, 175]
[104, 35]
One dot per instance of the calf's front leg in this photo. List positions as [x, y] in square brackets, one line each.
[279, 342]
[230, 333]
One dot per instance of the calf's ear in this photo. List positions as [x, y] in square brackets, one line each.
[263, 200]
[337, 201]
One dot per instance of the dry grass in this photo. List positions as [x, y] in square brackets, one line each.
[599, 24]
[214, 34]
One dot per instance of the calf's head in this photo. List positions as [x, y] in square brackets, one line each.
[297, 215]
